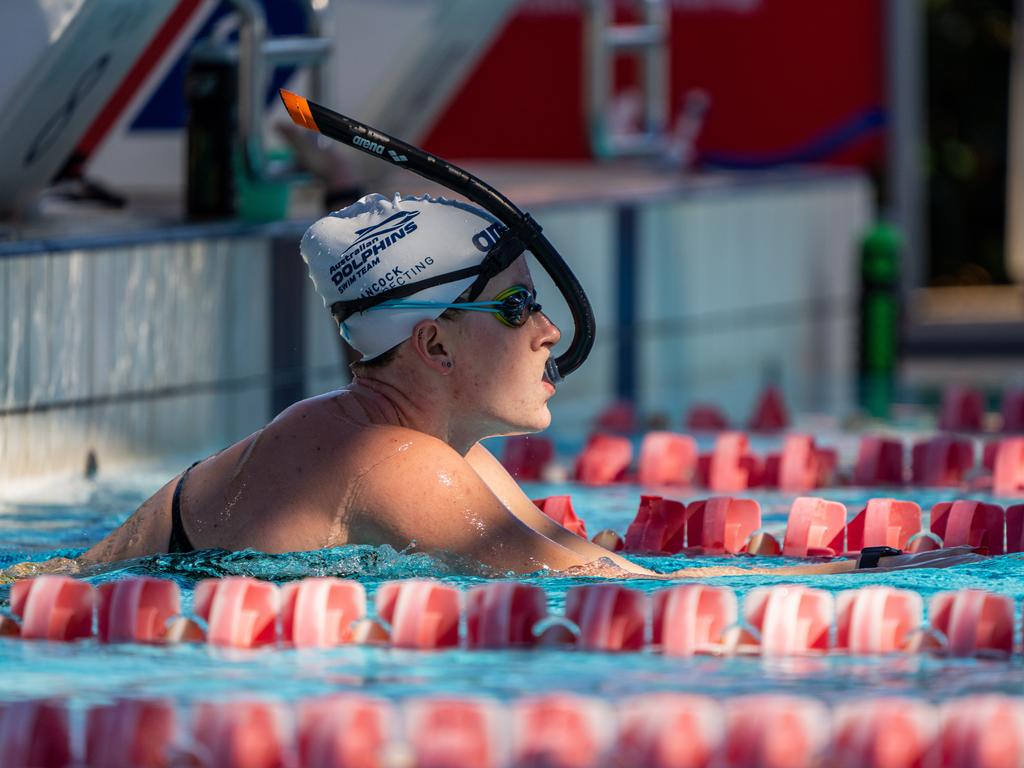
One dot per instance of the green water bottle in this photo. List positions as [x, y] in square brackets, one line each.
[879, 318]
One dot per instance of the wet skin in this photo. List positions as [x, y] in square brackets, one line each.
[395, 458]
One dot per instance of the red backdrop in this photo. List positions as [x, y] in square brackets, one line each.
[783, 77]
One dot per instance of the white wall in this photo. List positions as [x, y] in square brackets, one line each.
[747, 283]
[734, 279]
[179, 329]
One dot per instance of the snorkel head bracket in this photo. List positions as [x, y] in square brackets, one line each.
[523, 233]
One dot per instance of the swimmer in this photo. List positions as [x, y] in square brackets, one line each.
[395, 458]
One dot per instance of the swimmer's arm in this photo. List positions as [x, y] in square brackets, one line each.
[941, 558]
[811, 569]
[146, 532]
[55, 565]
[504, 486]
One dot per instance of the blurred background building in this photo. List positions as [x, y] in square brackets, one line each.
[816, 196]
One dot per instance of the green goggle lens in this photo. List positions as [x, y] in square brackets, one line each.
[515, 305]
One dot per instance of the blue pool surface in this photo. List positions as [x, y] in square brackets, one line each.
[65, 519]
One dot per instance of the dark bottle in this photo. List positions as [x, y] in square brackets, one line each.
[212, 125]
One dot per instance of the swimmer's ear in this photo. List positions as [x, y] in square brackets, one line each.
[428, 341]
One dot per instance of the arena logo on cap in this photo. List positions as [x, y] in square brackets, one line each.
[485, 239]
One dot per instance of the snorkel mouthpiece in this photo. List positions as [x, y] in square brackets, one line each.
[551, 374]
[523, 232]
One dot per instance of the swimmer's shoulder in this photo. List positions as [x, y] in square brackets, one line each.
[409, 463]
[310, 432]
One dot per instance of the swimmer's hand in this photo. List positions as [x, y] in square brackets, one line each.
[56, 565]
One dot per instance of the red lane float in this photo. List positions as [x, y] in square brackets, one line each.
[828, 466]
[318, 612]
[503, 614]
[658, 528]
[981, 732]
[815, 528]
[453, 733]
[1008, 473]
[883, 523]
[941, 461]
[668, 730]
[423, 614]
[883, 733]
[239, 611]
[988, 455]
[345, 731]
[875, 620]
[721, 525]
[555, 730]
[970, 523]
[666, 458]
[730, 466]
[34, 734]
[55, 608]
[610, 617]
[605, 459]
[1013, 411]
[769, 412]
[790, 620]
[962, 410]
[692, 618]
[800, 467]
[768, 731]
[527, 456]
[619, 417]
[239, 734]
[1015, 528]
[879, 462]
[136, 610]
[703, 417]
[974, 623]
[559, 509]
[130, 733]
[560, 730]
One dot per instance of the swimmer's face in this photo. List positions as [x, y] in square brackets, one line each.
[498, 371]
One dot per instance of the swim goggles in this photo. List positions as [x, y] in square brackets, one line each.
[520, 232]
[513, 306]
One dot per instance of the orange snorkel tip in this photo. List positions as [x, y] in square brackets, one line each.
[298, 109]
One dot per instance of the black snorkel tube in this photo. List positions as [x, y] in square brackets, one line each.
[522, 233]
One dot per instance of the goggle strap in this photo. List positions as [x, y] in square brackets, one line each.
[510, 246]
[507, 249]
[343, 310]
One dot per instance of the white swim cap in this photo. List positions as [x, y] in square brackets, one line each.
[377, 244]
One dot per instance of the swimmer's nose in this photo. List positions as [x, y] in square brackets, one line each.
[549, 335]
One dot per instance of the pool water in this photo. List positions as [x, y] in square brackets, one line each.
[65, 520]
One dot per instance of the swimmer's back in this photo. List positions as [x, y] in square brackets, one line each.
[284, 488]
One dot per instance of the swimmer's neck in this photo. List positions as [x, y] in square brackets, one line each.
[385, 403]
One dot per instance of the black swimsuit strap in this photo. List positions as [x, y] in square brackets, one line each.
[179, 539]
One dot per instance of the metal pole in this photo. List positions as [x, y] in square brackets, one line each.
[627, 354]
[905, 86]
[1015, 153]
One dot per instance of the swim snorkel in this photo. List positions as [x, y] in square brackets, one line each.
[519, 233]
